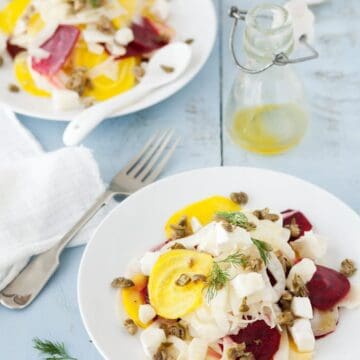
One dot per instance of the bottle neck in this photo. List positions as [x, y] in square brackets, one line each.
[268, 32]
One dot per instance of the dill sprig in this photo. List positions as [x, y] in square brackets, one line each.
[216, 281]
[219, 277]
[236, 218]
[235, 259]
[52, 350]
[263, 248]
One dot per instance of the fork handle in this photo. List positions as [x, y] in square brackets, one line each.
[28, 284]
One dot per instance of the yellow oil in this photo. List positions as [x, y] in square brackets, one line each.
[269, 129]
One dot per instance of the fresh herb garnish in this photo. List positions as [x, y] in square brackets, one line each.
[236, 218]
[52, 350]
[216, 281]
[263, 248]
[219, 277]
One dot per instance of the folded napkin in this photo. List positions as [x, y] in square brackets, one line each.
[41, 195]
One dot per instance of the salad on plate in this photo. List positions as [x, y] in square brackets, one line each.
[78, 52]
[235, 283]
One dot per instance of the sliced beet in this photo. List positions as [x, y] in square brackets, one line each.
[301, 220]
[13, 50]
[148, 36]
[260, 339]
[59, 47]
[327, 287]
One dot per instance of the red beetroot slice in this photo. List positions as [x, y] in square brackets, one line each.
[13, 50]
[327, 287]
[260, 339]
[302, 221]
[59, 46]
[147, 38]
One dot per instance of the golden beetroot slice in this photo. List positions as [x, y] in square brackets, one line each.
[300, 219]
[59, 47]
[327, 287]
[260, 339]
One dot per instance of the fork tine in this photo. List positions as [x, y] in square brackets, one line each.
[148, 155]
[156, 156]
[129, 166]
[158, 169]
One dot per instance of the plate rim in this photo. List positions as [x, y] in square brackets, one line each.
[174, 177]
[179, 84]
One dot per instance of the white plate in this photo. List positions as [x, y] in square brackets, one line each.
[137, 224]
[191, 19]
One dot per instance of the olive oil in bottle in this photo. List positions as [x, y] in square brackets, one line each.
[269, 129]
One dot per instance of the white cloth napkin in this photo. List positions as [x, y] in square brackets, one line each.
[41, 194]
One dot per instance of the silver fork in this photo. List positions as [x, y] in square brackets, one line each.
[143, 169]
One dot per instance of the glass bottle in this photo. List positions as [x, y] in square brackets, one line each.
[266, 111]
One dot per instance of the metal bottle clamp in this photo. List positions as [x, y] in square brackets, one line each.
[280, 59]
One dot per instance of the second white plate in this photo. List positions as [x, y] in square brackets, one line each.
[191, 20]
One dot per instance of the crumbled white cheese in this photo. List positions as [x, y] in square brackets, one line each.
[310, 246]
[197, 349]
[247, 284]
[301, 307]
[151, 339]
[124, 36]
[161, 9]
[146, 313]
[148, 261]
[304, 268]
[65, 100]
[302, 335]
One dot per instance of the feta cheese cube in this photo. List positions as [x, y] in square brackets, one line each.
[310, 246]
[151, 339]
[304, 268]
[301, 307]
[146, 313]
[65, 99]
[247, 284]
[197, 349]
[148, 261]
[124, 36]
[303, 335]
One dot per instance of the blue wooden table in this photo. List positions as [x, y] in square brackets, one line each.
[329, 155]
